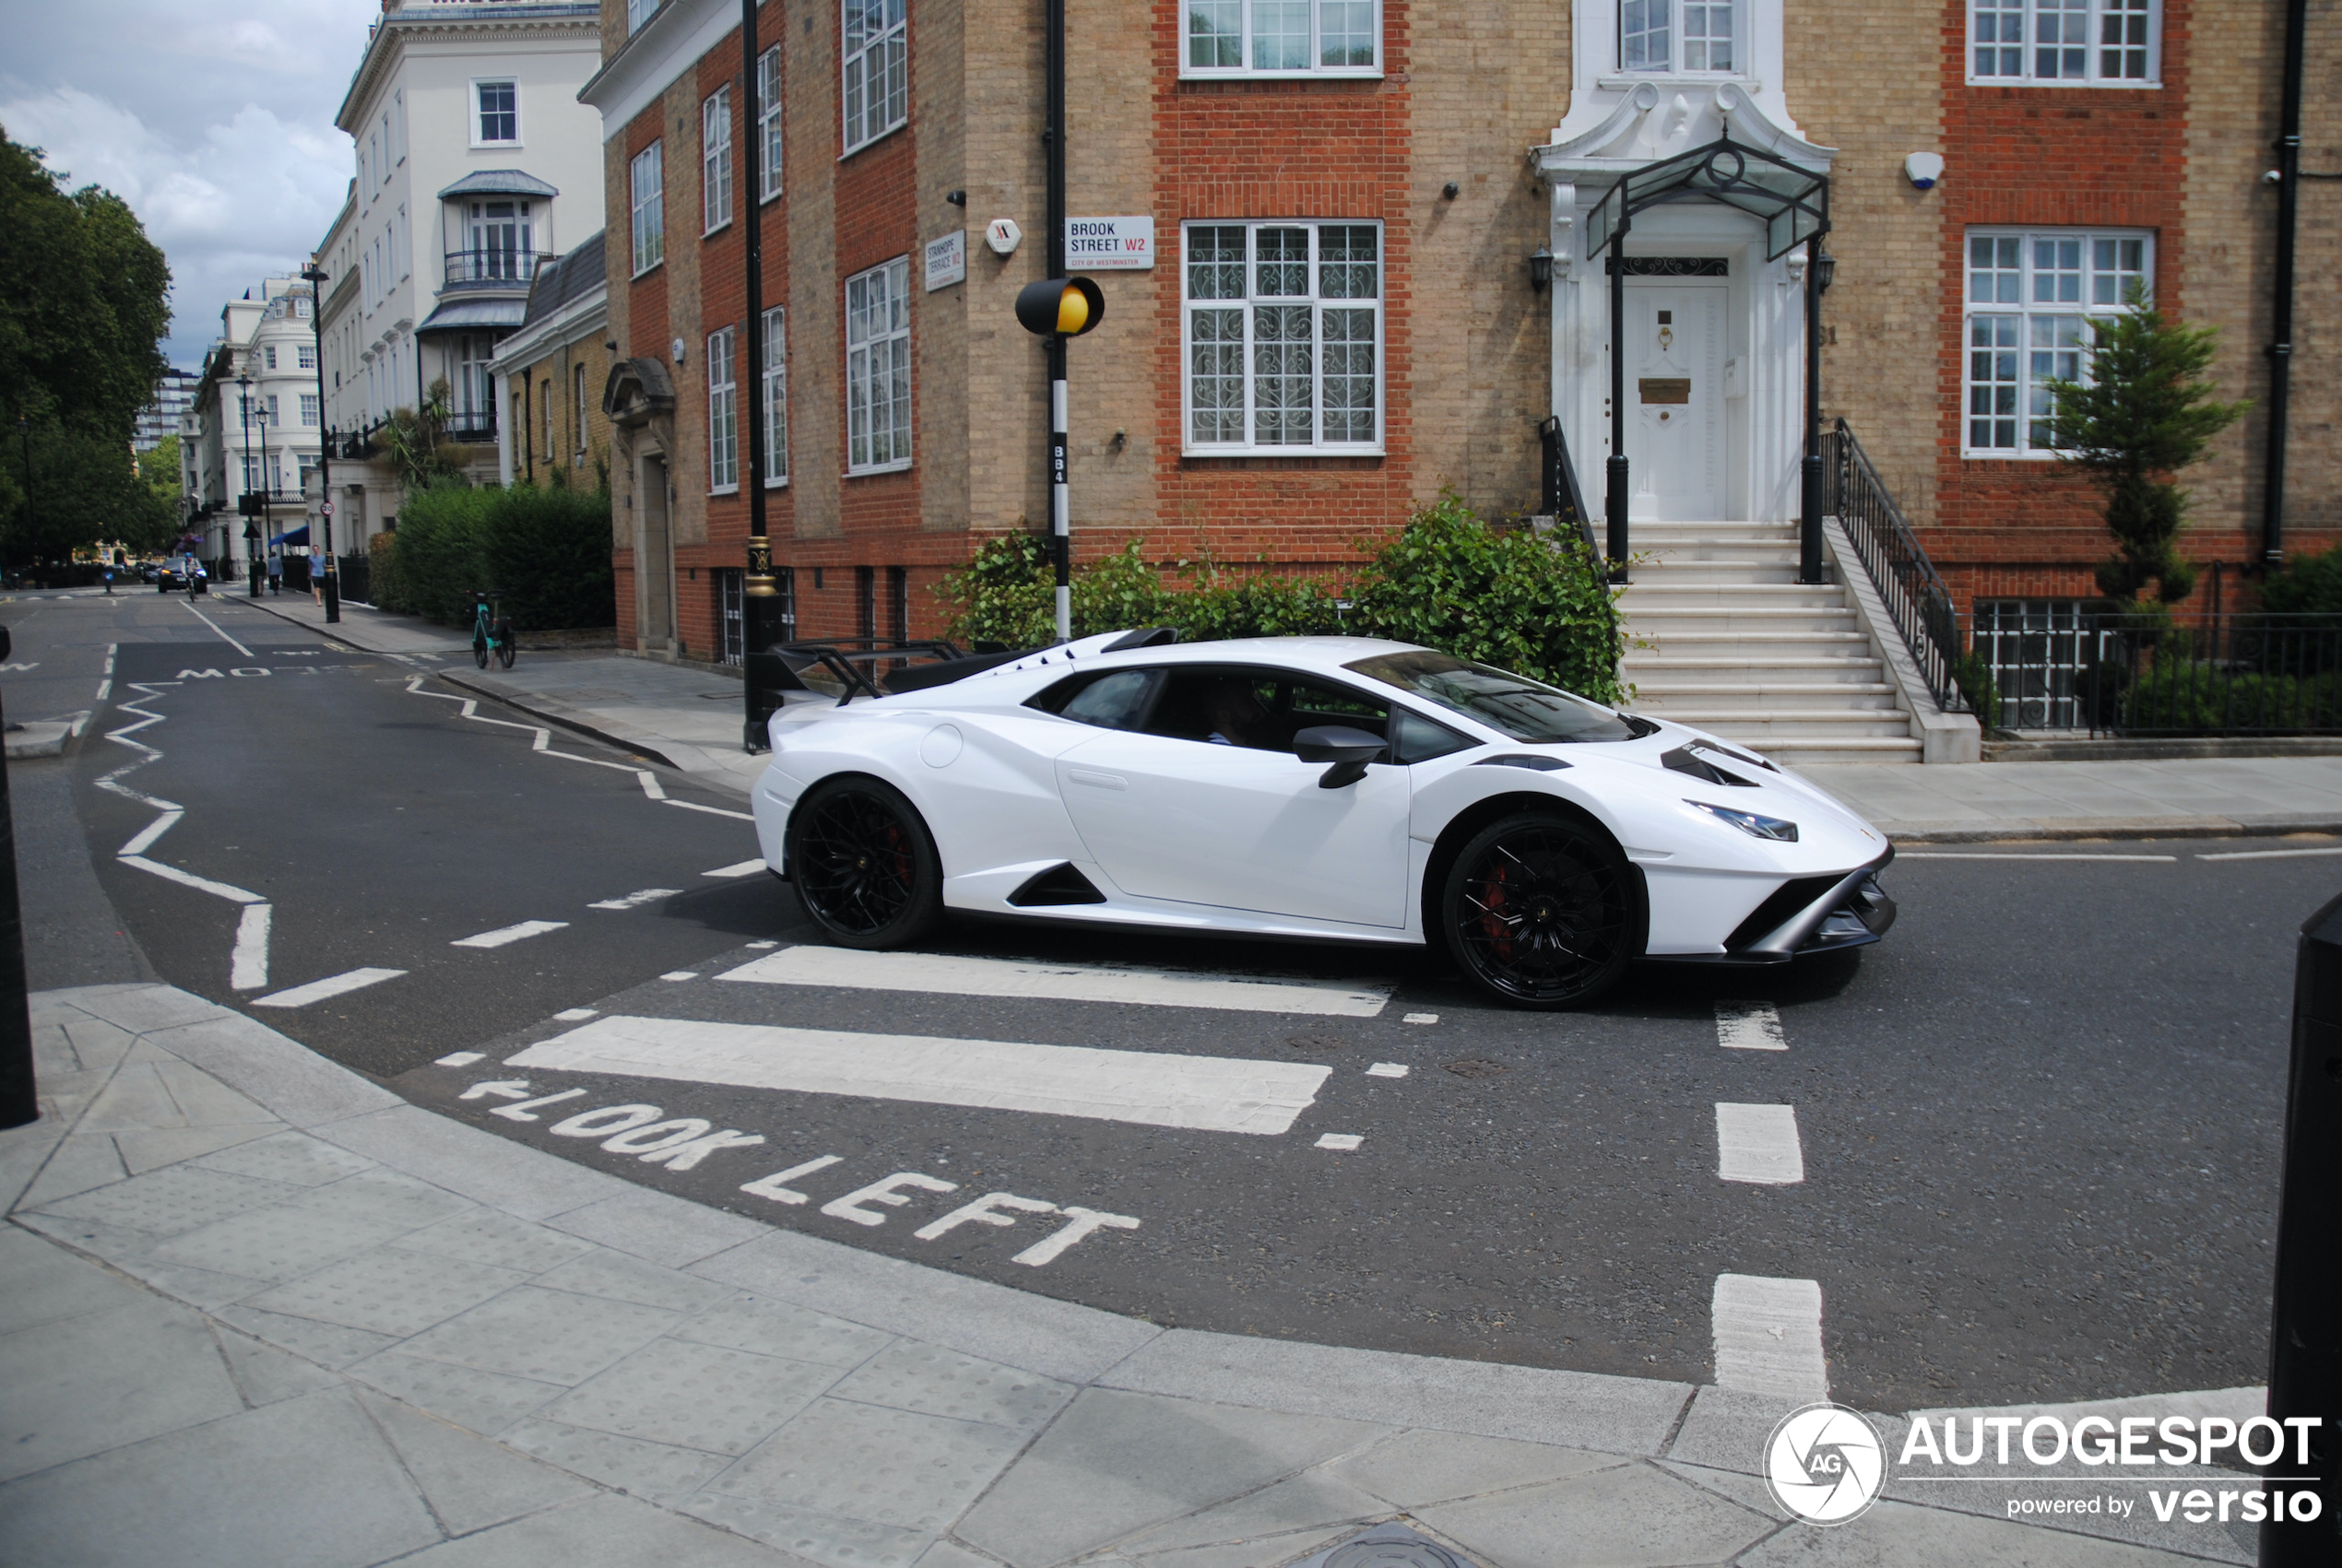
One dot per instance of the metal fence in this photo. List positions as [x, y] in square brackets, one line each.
[1914, 596]
[2059, 666]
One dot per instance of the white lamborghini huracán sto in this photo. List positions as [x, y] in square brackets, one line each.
[1319, 787]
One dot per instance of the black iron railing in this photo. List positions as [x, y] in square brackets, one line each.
[357, 578]
[2145, 672]
[1916, 599]
[1559, 497]
[493, 266]
[473, 425]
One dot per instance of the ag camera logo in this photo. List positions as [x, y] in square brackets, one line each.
[1824, 1464]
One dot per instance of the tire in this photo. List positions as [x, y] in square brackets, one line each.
[1542, 911]
[864, 865]
[480, 648]
[505, 652]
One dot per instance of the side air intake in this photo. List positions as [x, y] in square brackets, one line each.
[1059, 884]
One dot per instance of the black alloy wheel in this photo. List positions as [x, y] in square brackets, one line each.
[1542, 911]
[864, 866]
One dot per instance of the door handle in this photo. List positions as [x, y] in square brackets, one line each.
[1097, 781]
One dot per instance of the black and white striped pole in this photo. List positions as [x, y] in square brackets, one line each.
[1058, 308]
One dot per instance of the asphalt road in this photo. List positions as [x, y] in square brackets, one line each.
[2038, 1125]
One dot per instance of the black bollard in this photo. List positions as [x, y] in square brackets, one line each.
[17, 1103]
[2305, 1336]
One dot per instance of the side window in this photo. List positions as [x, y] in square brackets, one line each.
[1117, 700]
[1414, 738]
[1261, 710]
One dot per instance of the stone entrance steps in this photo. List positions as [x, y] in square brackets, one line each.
[1722, 635]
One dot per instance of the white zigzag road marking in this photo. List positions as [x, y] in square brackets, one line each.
[544, 743]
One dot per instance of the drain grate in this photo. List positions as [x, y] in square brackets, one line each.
[1388, 1546]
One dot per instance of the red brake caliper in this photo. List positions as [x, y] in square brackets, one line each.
[1499, 935]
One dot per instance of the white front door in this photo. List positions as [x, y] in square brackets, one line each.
[1674, 343]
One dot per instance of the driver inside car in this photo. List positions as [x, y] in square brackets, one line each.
[1233, 715]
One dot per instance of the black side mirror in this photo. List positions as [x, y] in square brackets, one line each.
[1348, 749]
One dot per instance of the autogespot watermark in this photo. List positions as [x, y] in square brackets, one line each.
[1826, 1464]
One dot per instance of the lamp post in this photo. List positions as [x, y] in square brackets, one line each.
[244, 411]
[314, 276]
[261, 519]
[760, 594]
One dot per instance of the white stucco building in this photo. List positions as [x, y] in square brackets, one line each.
[254, 425]
[473, 163]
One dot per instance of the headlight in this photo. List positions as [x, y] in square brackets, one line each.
[1749, 822]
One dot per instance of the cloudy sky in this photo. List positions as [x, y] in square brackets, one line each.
[214, 120]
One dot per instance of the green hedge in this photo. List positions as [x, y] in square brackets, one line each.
[1535, 603]
[545, 552]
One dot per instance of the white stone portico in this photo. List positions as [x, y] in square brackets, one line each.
[1704, 305]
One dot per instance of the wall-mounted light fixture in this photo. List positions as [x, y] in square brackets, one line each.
[1541, 268]
[1825, 269]
[957, 198]
[1451, 190]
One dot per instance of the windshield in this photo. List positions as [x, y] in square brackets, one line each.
[1520, 708]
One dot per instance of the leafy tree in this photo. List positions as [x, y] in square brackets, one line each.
[2307, 586]
[2146, 413]
[86, 300]
[85, 489]
[159, 468]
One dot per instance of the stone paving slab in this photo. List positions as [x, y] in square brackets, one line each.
[395, 1337]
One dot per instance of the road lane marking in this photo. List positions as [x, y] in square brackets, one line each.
[459, 1058]
[215, 626]
[1421, 1017]
[1769, 1337]
[1386, 1070]
[1928, 855]
[334, 985]
[1341, 1143]
[641, 896]
[745, 868]
[680, 975]
[499, 937]
[248, 962]
[2269, 854]
[1749, 1026]
[189, 879]
[1152, 1089]
[575, 1015]
[847, 967]
[712, 811]
[1758, 1143]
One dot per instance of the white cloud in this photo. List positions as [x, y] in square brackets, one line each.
[215, 125]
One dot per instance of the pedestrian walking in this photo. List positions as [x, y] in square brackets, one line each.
[276, 573]
[109, 582]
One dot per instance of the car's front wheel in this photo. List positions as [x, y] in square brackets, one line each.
[864, 865]
[1541, 910]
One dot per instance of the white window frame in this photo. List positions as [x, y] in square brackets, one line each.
[722, 412]
[715, 160]
[874, 445]
[772, 391]
[305, 357]
[768, 124]
[480, 113]
[309, 415]
[638, 12]
[2035, 337]
[1985, 57]
[1247, 307]
[885, 45]
[648, 198]
[1244, 12]
[1676, 18]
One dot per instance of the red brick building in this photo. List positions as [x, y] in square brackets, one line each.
[1343, 317]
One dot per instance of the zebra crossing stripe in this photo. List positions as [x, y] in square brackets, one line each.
[951, 975]
[1151, 1087]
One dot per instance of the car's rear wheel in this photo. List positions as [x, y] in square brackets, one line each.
[1541, 910]
[864, 865]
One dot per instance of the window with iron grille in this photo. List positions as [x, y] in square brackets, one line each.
[2031, 295]
[877, 69]
[731, 617]
[776, 391]
[2065, 43]
[878, 368]
[1281, 37]
[2037, 650]
[715, 160]
[1283, 337]
[723, 415]
[650, 210]
[768, 124]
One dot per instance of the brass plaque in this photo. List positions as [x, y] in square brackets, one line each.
[1665, 389]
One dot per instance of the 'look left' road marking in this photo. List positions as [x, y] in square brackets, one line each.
[499, 937]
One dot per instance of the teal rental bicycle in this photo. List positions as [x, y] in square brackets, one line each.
[491, 633]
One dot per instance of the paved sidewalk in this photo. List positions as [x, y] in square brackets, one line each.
[693, 719]
[259, 1309]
